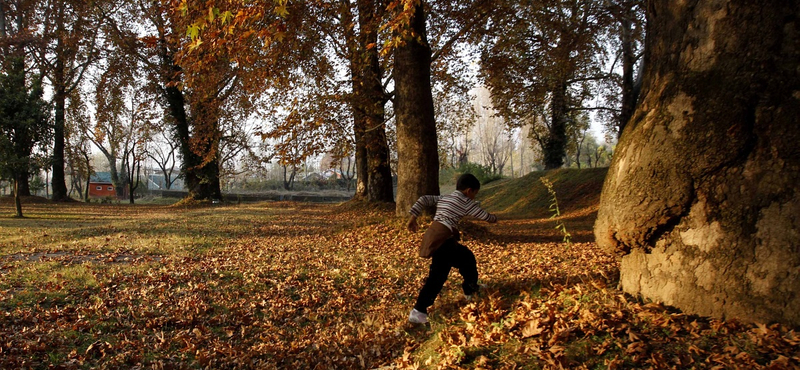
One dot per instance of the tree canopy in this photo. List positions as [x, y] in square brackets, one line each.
[341, 75]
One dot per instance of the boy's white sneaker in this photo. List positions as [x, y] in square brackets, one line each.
[417, 317]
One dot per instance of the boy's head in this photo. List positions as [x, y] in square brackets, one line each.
[468, 184]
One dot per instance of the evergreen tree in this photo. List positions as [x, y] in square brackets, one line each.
[24, 122]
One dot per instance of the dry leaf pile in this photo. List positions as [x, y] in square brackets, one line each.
[329, 287]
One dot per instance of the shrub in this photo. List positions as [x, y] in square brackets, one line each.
[483, 173]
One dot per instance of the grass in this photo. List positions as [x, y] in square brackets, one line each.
[290, 285]
[578, 192]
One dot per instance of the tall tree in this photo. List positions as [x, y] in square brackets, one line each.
[577, 132]
[15, 37]
[369, 102]
[116, 125]
[417, 147]
[24, 123]
[455, 118]
[295, 136]
[625, 35]
[235, 51]
[143, 33]
[701, 200]
[628, 14]
[452, 27]
[544, 53]
[70, 45]
[352, 35]
[491, 133]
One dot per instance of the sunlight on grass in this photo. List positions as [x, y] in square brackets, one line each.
[144, 229]
[291, 285]
[48, 275]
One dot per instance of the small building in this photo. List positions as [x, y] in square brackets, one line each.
[100, 186]
[332, 174]
[159, 182]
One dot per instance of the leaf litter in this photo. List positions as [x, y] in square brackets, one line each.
[330, 287]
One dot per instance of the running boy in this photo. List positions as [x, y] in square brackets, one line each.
[440, 242]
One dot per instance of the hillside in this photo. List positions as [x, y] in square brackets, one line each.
[578, 193]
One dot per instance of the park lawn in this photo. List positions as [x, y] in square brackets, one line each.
[292, 285]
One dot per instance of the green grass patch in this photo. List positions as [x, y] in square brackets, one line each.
[44, 275]
[527, 197]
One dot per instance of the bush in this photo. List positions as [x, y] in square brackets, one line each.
[483, 173]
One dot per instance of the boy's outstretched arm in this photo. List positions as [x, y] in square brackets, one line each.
[412, 224]
[478, 212]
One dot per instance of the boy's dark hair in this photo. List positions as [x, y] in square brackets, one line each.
[468, 181]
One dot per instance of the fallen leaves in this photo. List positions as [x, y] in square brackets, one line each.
[299, 286]
[531, 328]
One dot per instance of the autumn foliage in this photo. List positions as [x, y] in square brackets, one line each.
[289, 285]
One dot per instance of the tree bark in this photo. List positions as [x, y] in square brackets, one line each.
[23, 184]
[555, 143]
[201, 179]
[703, 193]
[628, 59]
[132, 172]
[417, 147]
[59, 177]
[199, 157]
[17, 200]
[59, 97]
[369, 100]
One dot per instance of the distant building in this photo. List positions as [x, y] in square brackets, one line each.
[100, 186]
[159, 182]
[332, 173]
[312, 177]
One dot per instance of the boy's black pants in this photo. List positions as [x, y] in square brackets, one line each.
[450, 254]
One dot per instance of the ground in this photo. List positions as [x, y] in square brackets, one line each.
[296, 285]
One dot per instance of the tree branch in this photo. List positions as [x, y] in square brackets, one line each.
[449, 43]
[596, 108]
[590, 78]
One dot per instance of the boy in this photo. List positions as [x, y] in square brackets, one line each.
[440, 242]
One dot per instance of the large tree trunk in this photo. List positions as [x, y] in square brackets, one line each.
[372, 149]
[417, 147]
[205, 176]
[555, 145]
[17, 200]
[379, 183]
[703, 195]
[88, 175]
[199, 154]
[59, 180]
[23, 185]
[200, 178]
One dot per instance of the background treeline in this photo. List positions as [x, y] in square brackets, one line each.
[376, 95]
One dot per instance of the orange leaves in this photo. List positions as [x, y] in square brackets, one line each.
[531, 328]
[290, 285]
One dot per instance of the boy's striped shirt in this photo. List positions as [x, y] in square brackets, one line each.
[451, 208]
